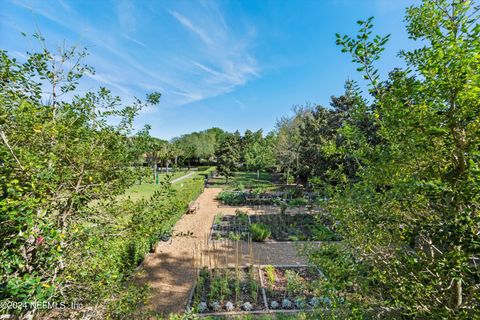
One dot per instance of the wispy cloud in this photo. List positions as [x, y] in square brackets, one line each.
[214, 62]
[126, 15]
[190, 26]
[140, 43]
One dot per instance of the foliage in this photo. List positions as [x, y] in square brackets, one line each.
[259, 232]
[410, 214]
[270, 272]
[228, 155]
[258, 151]
[66, 235]
[232, 198]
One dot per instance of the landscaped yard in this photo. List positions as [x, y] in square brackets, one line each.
[228, 290]
[271, 227]
[146, 190]
[245, 180]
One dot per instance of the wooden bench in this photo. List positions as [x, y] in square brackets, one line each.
[192, 208]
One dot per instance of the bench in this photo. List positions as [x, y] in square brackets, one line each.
[192, 208]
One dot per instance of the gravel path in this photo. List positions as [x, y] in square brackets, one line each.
[183, 177]
[169, 271]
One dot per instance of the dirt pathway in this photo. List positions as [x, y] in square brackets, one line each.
[169, 271]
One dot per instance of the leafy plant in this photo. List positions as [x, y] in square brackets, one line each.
[294, 283]
[259, 232]
[270, 272]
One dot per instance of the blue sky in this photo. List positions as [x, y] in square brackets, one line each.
[231, 64]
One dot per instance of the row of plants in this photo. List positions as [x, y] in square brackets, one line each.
[227, 290]
[276, 227]
[233, 227]
[240, 198]
[291, 227]
[242, 289]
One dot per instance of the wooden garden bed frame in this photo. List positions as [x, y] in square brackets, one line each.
[267, 309]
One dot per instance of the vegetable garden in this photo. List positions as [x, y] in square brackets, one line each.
[368, 208]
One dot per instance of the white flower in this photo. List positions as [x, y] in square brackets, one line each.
[229, 306]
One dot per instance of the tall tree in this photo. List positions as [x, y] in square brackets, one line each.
[411, 221]
[228, 155]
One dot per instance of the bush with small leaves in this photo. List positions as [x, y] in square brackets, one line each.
[314, 302]
[300, 303]
[216, 306]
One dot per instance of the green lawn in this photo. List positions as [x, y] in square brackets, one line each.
[245, 179]
[145, 190]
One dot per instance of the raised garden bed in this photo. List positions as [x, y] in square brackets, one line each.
[270, 228]
[230, 290]
[291, 287]
[242, 198]
[294, 227]
[233, 227]
[256, 290]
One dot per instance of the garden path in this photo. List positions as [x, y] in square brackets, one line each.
[183, 177]
[170, 270]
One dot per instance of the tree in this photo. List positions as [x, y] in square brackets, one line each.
[228, 155]
[258, 151]
[58, 157]
[288, 142]
[411, 218]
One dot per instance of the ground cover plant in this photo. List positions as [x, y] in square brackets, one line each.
[227, 290]
[292, 227]
[292, 287]
[277, 227]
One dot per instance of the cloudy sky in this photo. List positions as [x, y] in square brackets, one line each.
[231, 64]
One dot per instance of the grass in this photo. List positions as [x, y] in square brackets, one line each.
[145, 190]
[247, 180]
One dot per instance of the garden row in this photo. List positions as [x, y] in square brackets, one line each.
[260, 197]
[271, 227]
[258, 289]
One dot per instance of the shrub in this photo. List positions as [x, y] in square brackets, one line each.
[232, 198]
[260, 232]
